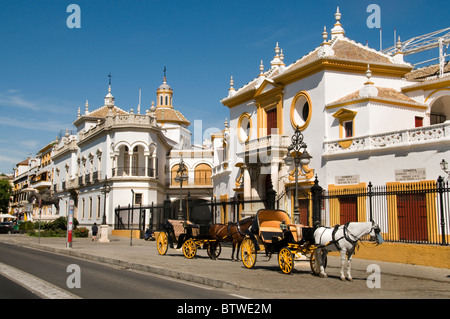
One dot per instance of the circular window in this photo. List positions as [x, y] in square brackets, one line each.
[301, 110]
[244, 127]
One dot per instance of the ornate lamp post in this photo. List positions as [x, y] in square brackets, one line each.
[180, 178]
[104, 226]
[298, 155]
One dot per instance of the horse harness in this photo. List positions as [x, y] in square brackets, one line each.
[345, 235]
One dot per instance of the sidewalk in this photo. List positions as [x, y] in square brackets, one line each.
[223, 273]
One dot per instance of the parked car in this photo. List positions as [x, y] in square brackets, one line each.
[7, 228]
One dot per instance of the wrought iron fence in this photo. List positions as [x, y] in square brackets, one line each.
[199, 211]
[406, 212]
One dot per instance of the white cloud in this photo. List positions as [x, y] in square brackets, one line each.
[30, 143]
[13, 99]
[34, 125]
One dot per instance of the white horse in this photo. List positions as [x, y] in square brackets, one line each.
[342, 238]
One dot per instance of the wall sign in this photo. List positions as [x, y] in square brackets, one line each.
[410, 174]
[346, 179]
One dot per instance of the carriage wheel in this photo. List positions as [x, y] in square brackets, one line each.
[286, 260]
[248, 253]
[189, 248]
[315, 263]
[162, 243]
[214, 249]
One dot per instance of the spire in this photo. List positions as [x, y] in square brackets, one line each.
[86, 108]
[325, 35]
[368, 75]
[164, 93]
[337, 31]
[277, 61]
[325, 47]
[231, 90]
[398, 56]
[261, 69]
[369, 89]
[109, 98]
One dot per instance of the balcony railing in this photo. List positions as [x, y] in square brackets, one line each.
[193, 182]
[272, 143]
[397, 139]
[134, 171]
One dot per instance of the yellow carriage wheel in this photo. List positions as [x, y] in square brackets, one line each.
[162, 243]
[286, 260]
[248, 253]
[189, 248]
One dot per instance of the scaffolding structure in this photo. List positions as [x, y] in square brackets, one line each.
[437, 39]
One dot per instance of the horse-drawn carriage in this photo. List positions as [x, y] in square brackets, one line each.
[188, 236]
[273, 232]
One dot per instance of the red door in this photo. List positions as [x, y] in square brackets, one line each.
[412, 217]
[271, 120]
[303, 208]
[348, 210]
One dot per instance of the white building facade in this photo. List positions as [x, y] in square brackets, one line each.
[135, 154]
[365, 116]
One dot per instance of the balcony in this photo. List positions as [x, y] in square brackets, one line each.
[266, 148]
[222, 168]
[204, 182]
[419, 136]
[134, 172]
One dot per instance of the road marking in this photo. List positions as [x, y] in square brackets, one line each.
[34, 284]
[238, 296]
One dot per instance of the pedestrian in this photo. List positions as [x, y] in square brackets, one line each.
[94, 232]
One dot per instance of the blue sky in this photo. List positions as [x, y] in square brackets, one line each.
[47, 70]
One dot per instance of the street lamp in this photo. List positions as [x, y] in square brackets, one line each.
[298, 156]
[105, 191]
[104, 226]
[180, 178]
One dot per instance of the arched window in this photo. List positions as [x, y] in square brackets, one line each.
[440, 110]
[167, 100]
[203, 174]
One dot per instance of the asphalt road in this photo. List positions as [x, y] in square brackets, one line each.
[95, 280]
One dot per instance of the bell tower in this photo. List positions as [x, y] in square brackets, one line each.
[164, 94]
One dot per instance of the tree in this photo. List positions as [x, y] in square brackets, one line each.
[5, 193]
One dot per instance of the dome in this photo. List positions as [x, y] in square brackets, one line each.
[164, 86]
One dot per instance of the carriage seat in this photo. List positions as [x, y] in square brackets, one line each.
[270, 230]
[269, 224]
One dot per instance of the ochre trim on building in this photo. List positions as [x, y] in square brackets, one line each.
[292, 117]
[244, 115]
